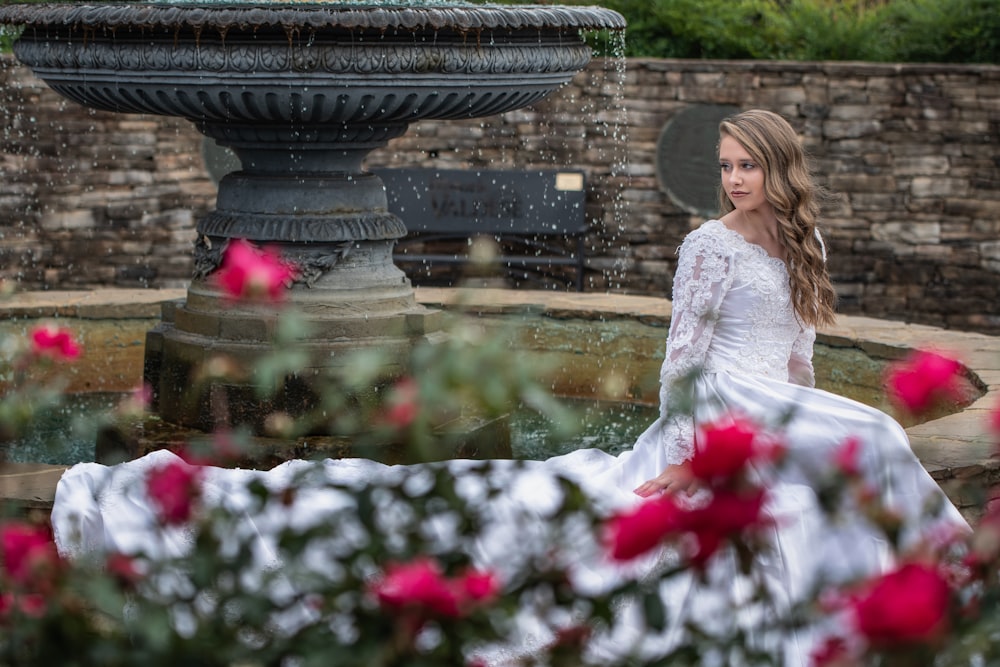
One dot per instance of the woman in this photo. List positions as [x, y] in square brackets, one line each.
[767, 233]
[749, 290]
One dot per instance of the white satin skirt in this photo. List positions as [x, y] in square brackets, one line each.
[105, 509]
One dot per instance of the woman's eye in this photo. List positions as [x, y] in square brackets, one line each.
[747, 165]
[724, 167]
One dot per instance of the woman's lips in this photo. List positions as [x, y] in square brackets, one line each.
[737, 194]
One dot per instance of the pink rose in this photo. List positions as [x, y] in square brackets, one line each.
[923, 379]
[729, 514]
[833, 652]
[48, 340]
[174, 489]
[418, 585]
[478, 586]
[906, 606]
[123, 568]
[251, 273]
[845, 458]
[30, 604]
[29, 554]
[722, 452]
[633, 532]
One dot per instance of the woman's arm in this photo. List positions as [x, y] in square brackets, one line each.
[704, 275]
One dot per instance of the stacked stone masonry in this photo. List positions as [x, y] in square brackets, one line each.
[910, 154]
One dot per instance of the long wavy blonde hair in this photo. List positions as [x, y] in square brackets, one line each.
[789, 187]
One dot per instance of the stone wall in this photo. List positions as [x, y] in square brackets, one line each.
[910, 153]
[90, 198]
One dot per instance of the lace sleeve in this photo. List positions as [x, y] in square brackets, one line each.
[703, 277]
[800, 367]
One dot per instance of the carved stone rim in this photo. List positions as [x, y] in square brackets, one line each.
[316, 16]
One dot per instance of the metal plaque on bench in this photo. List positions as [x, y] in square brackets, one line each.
[470, 202]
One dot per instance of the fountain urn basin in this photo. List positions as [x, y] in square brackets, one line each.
[301, 92]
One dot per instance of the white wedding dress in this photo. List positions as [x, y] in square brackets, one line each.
[733, 321]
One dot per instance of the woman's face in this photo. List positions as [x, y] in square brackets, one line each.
[742, 177]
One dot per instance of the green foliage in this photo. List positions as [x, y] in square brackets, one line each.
[7, 36]
[951, 31]
[954, 31]
[948, 31]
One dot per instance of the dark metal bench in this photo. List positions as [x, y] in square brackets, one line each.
[537, 218]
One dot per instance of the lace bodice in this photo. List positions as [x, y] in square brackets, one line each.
[732, 313]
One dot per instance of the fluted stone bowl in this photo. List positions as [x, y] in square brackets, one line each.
[323, 66]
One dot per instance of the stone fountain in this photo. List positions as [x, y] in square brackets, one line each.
[301, 92]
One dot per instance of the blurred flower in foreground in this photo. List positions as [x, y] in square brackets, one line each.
[28, 553]
[401, 404]
[48, 340]
[724, 450]
[28, 604]
[125, 569]
[846, 458]
[248, 272]
[421, 587]
[726, 515]
[922, 380]
[906, 606]
[729, 515]
[832, 652]
[174, 489]
[631, 533]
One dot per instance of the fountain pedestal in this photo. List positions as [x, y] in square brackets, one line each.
[301, 92]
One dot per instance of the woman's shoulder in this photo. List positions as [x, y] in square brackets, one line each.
[712, 236]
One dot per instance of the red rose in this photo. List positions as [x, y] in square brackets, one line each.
[833, 652]
[631, 533]
[721, 453]
[31, 604]
[251, 273]
[418, 585]
[845, 458]
[174, 489]
[478, 586]
[728, 515]
[54, 342]
[124, 569]
[923, 379]
[906, 606]
[28, 552]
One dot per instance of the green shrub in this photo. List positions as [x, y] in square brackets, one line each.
[953, 31]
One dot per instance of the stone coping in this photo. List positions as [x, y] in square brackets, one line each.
[957, 450]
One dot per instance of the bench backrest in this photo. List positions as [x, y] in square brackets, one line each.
[483, 201]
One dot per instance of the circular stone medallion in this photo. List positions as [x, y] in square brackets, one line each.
[687, 165]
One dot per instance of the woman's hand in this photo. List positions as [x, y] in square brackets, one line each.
[673, 479]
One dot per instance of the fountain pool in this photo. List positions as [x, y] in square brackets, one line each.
[623, 346]
[606, 350]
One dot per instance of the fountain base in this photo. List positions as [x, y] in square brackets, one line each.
[202, 361]
[467, 438]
